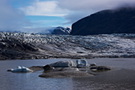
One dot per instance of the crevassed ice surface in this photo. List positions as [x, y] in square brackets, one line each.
[96, 45]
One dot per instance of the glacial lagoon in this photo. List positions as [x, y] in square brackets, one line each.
[121, 77]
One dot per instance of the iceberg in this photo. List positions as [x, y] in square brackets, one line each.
[20, 69]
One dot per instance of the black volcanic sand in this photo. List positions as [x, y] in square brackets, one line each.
[121, 77]
[121, 69]
[61, 74]
[36, 68]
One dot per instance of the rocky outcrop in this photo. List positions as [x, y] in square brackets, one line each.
[106, 22]
[47, 68]
[99, 68]
[68, 71]
[63, 69]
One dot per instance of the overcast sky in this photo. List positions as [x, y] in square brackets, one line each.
[29, 15]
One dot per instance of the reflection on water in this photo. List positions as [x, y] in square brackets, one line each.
[30, 81]
[121, 79]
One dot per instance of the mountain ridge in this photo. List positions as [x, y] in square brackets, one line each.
[106, 22]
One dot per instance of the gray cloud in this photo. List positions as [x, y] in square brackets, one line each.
[95, 5]
[14, 19]
[73, 17]
[10, 18]
[81, 8]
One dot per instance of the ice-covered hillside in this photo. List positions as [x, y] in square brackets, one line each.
[66, 46]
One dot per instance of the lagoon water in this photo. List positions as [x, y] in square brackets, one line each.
[121, 77]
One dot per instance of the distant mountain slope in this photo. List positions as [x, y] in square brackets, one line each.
[106, 22]
[61, 31]
[55, 31]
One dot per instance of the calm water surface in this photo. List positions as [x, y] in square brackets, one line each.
[122, 77]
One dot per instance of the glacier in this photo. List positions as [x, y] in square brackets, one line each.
[68, 46]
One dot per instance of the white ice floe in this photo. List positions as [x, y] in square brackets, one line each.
[20, 69]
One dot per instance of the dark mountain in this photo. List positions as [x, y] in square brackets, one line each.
[106, 22]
